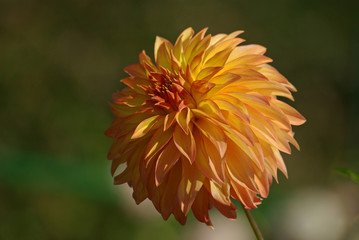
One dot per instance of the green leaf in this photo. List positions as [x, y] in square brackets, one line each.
[348, 173]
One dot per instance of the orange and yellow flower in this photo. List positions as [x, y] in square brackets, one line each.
[202, 125]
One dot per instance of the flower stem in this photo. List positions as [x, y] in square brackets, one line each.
[253, 223]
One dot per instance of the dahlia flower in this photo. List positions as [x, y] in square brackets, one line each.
[202, 125]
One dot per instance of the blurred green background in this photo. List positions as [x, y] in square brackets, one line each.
[60, 62]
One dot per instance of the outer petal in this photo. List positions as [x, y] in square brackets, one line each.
[191, 183]
[200, 207]
[166, 160]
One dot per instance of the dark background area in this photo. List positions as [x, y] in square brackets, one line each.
[60, 62]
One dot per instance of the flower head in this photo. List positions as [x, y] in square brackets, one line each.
[202, 125]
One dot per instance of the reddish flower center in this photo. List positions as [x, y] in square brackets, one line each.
[166, 91]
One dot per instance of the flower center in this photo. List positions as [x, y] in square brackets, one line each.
[166, 91]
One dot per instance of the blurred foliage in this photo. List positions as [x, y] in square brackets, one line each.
[348, 173]
[60, 62]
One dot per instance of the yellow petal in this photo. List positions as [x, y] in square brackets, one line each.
[158, 43]
[188, 50]
[207, 73]
[211, 109]
[218, 60]
[225, 44]
[145, 126]
[164, 56]
[220, 193]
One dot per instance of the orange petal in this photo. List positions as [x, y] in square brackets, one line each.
[200, 207]
[136, 70]
[169, 120]
[252, 59]
[185, 143]
[272, 74]
[261, 179]
[159, 139]
[191, 183]
[183, 118]
[280, 162]
[294, 117]
[205, 164]
[214, 133]
[135, 83]
[166, 160]
[169, 200]
[251, 49]
[201, 87]
[245, 196]
[240, 167]
[225, 79]
[227, 211]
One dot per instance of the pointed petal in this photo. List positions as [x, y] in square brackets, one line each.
[159, 139]
[185, 143]
[251, 49]
[200, 207]
[191, 183]
[166, 160]
[183, 118]
[294, 117]
[214, 133]
[169, 200]
[240, 167]
[205, 164]
[145, 126]
[136, 70]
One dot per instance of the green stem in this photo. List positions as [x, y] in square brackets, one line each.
[253, 223]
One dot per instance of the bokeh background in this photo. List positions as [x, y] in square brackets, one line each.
[60, 62]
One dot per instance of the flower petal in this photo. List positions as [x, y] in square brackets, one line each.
[185, 143]
[159, 139]
[240, 167]
[166, 160]
[200, 207]
[145, 126]
[183, 118]
[191, 183]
